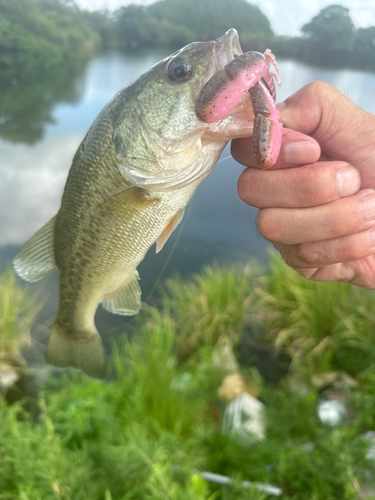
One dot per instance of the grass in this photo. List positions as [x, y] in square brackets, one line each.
[17, 311]
[324, 326]
[211, 308]
[146, 431]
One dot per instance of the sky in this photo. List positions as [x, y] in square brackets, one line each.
[286, 16]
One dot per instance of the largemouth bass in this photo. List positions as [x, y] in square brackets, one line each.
[132, 177]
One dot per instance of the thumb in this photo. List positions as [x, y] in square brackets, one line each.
[344, 130]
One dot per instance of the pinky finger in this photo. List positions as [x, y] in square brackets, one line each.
[349, 258]
[326, 252]
[360, 272]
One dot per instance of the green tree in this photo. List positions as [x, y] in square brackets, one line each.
[209, 19]
[364, 48]
[330, 36]
[103, 24]
[26, 107]
[137, 27]
[40, 35]
[42, 46]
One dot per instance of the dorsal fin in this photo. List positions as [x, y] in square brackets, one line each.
[127, 300]
[36, 259]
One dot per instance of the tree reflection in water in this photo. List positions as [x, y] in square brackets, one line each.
[26, 107]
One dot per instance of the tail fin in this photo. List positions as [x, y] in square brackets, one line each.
[86, 353]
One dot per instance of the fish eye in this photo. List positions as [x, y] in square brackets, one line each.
[179, 70]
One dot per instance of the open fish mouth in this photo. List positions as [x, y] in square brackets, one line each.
[228, 92]
[236, 74]
[227, 48]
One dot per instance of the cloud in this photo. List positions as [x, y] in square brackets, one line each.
[32, 182]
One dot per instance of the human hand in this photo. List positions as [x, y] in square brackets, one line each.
[320, 214]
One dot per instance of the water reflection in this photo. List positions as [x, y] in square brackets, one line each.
[32, 181]
[26, 108]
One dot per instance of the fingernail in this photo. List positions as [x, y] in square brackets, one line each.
[348, 181]
[301, 152]
[280, 106]
[368, 203]
[372, 236]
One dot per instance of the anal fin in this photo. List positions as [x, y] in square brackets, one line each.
[173, 223]
[36, 259]
[127, 300]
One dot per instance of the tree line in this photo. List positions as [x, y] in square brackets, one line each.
[44, 43]
[40, 35]
[42, 46]
[329, 39]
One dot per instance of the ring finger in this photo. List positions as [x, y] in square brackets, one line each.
[343, 217]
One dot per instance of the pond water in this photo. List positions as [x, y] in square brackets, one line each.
[45, 134]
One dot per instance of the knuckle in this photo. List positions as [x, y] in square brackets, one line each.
[337, 223]
[319, 183]
[288, 257]
[268, 226]
[306, 254]
[348, 249]
[320, 88]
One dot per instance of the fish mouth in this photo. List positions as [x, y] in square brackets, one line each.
[226, 48]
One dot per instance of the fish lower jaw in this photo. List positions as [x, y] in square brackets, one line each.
[231, 127]
[238, 123]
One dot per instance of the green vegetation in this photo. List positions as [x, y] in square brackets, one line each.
[329, 39]
[211, 308]
[45, 43]
[42, 46]
[156, 422]
[17, 310]
[41, 35]
[26, 107]
[174, 23]
[324, 326]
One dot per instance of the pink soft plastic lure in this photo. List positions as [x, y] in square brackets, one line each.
[221, 94]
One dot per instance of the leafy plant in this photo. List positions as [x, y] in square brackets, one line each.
[210, 308]
[17, 311]
[148, 431]
[324, 326]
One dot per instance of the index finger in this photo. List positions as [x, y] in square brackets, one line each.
[344, 130]
[296, 149]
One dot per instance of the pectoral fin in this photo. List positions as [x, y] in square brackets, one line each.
[173, 223]
[128, 203]
[36, 259]
[127, 300]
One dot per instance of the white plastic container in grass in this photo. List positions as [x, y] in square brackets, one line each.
[244, 417]
[332, 412]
